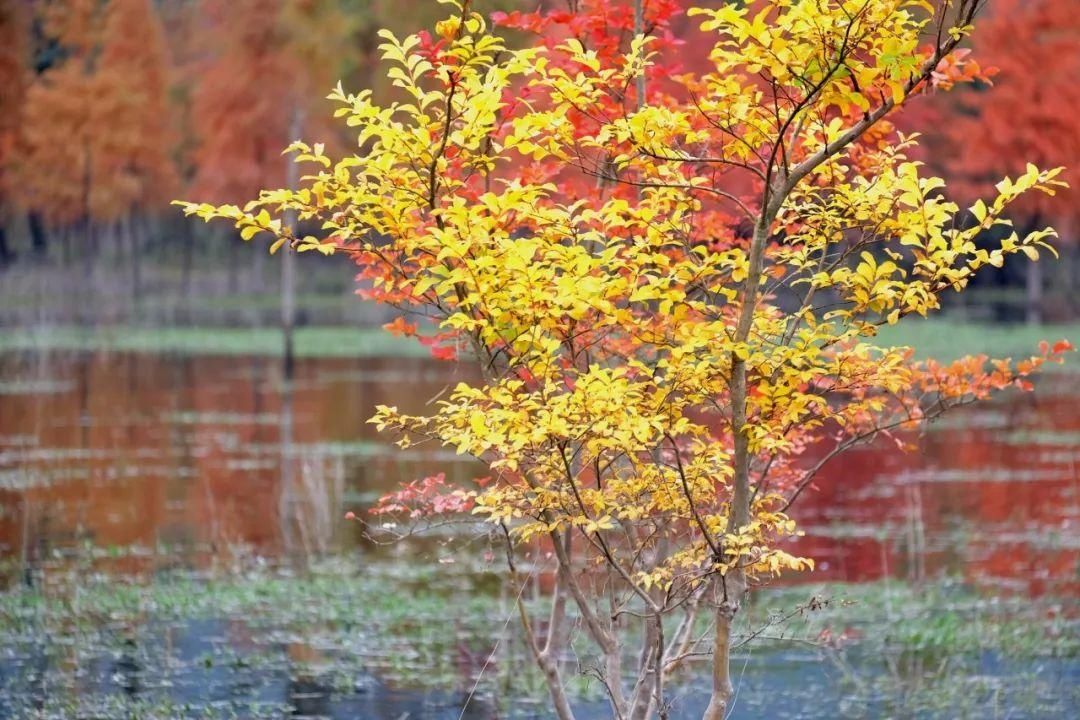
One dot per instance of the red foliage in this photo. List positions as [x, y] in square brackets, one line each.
[425, 497]
[1029, 117]
[977, 377]
[131, 139]
[264, 65]
[95, 141]
[13, 76]
[239, 115]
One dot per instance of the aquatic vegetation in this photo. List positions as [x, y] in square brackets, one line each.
[196, 646]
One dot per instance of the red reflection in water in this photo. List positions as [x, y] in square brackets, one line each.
[991, 494]
[181, 453]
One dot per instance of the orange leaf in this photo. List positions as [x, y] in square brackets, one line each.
[400, 327]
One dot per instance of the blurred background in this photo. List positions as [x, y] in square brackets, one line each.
[151, 431]
[110, 109]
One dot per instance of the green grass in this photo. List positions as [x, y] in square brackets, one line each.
[309, 341]
[251, 301]
[947, 339]
[942, 338]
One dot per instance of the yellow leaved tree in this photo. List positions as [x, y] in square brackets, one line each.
[670, 270]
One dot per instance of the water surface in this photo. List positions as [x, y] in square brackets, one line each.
[145, 465]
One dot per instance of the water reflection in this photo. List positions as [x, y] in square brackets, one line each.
[180, 461]
[140, 464]
[182, 457]
[991, 495]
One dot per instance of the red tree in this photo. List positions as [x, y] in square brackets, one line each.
[53, 172]
[95, 145]
[1030, 116]
[12, 85]
[261, 62]
[132, 142]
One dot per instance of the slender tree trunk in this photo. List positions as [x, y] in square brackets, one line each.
[1063, 272]
[67, 251]
[722, 688]
[649, 693]
[135, 247]
[258, 272]
[38, 236]
[83, 312]
[553, 679]
[90, 248]
[288, 266]
[232, 262]
[639, 28]
[115, 245]
[1033, 284]
[1034, 293]
[648, 697]
[732, 587]
[187, 238]
[6, 256]
[1069, 275]
[546, 657]
[287, 500]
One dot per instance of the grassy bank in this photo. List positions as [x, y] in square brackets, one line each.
[948, 339]
[942, 338]
[309, 341]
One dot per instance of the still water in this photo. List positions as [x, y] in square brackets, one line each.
[135, 465]
[180, 458]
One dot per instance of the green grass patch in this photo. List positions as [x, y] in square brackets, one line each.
[942, 338]
[309, 341]
[948, 339]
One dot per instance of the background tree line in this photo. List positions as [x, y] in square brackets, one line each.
[110, 108]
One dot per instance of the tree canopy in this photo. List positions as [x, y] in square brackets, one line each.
[672, 278]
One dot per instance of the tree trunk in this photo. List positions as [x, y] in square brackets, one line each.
[559, 701]
[288, 509]
[38, 237]
[1069, 276]
[733, 585]
[232, 262]
[1062, 279]
[721, 670]
[1034, 282]
[67, 252]
[258, 271]
[90, 245]
[546, 657]
[135, 246]
[648, 697]
[85, 314]
[188, 241]
[6, 256]
[288, 268]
